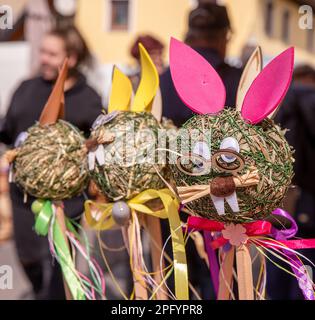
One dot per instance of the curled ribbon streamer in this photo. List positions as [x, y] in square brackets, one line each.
[285, 234]
[42, 224]
[105, 221]
[263, 228]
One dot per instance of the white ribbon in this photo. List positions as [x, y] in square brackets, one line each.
[96, 155]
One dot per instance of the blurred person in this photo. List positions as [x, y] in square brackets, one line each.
[209, 30]
[38, 21]
[304, 75]
[82, 106]
[5, 203]
[297, 114]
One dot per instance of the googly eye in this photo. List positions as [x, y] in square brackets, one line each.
[192, 165]
[232, 144]
[201, 149]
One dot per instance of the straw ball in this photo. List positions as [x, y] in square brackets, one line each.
[262, 146]
[130, 159]
[51, 163]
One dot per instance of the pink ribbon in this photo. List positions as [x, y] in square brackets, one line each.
[257, 228]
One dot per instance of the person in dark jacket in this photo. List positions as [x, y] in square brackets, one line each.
[82, 106]
[297, 114]
[208, 34]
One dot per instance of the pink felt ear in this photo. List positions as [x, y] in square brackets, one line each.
[269, 88]
[196, 82]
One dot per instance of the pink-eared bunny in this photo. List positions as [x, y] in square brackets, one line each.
[234, 164]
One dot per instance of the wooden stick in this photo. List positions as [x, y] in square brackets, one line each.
[5, 201]
[156, 245]
[138, 278]
[244, 273]
[226, 275]
[60, 217]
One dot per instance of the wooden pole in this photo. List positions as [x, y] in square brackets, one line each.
[156, 245]
[5, 201]
[226, 275]
[244, 273]
[138, 275]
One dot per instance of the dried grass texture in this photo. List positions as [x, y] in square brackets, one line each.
[51, 163]
[130, 159]
[262, 146]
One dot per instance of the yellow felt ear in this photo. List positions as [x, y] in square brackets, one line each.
[121, 92]
[149, 83]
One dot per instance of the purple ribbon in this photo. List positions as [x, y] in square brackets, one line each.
[305, 283]
[284, 234]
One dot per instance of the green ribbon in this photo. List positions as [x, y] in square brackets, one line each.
[43, 219]
[42, 225]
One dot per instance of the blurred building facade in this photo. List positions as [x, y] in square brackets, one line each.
[274, 25]
[111, 25]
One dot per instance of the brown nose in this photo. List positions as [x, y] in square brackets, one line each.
[222, 186]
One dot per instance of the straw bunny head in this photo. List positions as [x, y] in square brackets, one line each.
[51, 161]
[235, 165]
[119, 162]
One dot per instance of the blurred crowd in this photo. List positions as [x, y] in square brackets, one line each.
[209, 31]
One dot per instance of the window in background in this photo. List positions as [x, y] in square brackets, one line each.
[285, 32]
[310, 35]
[119, 14]
[269, 12]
